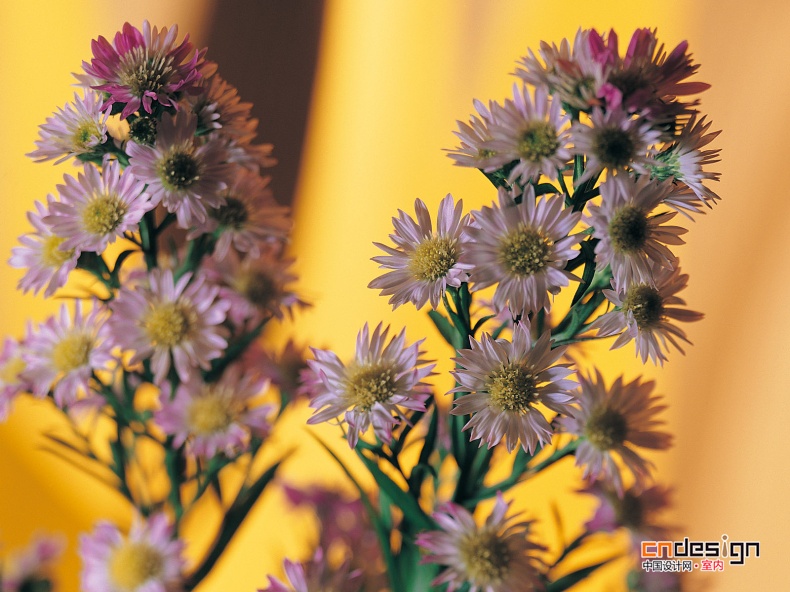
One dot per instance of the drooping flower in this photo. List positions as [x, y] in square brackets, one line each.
[140, 68]
[248, 218]
[495, 557]
[185, 173]
[29, 569]
[12, 379]
[631, 240]
[614, 142]
[505, 382]
[424, 262]
[75, 129]
[315, 576]
[383, 378]
[98, 207]
[168, 319]
[63, 354]
[530, 132]
[473, 135]
[148, 560]
[611, 423]
[644, 313]
[523, 249]
[216, 417]
[42, 255]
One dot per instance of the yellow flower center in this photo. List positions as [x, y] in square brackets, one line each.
[86, 132]
[512, 388]
[614, 147]
[133, 564]
[211, 412]
[72, 352]
[370, 384]
[646, 304]
[141, 72]
[179, 170]
[10, 371]
[103, 214]
[167, 324]
[628, 230]
[538, 141]
[524, 251]
[51, 253]
[433, 258]
[486, 557]
[606, 428]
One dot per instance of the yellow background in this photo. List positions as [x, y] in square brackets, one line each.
[392, 79]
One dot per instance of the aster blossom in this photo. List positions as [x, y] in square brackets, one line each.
[644, 313]
[185, 173]
[315, 575]
[97, 207]
[171, 319]
[495, 557]
[633, 240]
[424, 262]
[216, 417]
[76, 129]
[30, 568]
[611, 423]
[64, 352]
[143, 67]
[474, 135]
[505, 382]
[523, 249]
[382, 379]
[148, 560]
[12, 367]
[219, 107]
[42, 254]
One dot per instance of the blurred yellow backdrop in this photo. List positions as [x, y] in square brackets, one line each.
[392, 79]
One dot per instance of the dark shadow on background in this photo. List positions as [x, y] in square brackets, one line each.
[268, 50]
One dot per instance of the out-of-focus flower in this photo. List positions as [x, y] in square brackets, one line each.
[29, 569]
[219, 108]
[380, 380]
[611, 423]
[506, 381]
[97, 207]
[63, 354]
[167, 318]
[530, 132]
[76, 129]
[42, 255]
[523, 249]
[424, 262]
[631, 240]
[644, 313]
[148, 560]
[185, 173]
[315, 576]
[615, 142]
[215, 417]
[495, 557]
[12, 367]
[140, 68]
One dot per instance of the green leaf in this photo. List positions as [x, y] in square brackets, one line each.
[446, 328]
[544, 188]
[574, 578]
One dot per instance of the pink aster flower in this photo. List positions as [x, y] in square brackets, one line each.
[140, 68]
[645, 312]
[636, 510]
[631, 240]
[505, 382]
[216, 417]
[63, 354]
[184, 172]
[76, 129]
[29, 569]
[97, 207]
[523, 249]
[532, 133]
[219, 108]
[424, 262]
[614, 142]
[611, 423]
[495, 557]
[248, 218]
[168, 319]
[315, 576]
[474, 135]
[148, 560]
[381, 380]
[42, 255]
[12, 379]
